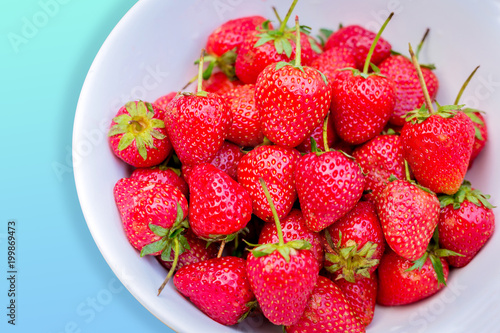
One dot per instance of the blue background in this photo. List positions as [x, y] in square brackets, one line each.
[63, 282]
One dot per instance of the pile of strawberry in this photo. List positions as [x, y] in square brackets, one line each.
[307, 179]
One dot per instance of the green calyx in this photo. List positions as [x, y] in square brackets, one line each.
[471, 113]
[137, 125]
[349, 261]
[418, 116]
[465, 193]
[224, 62]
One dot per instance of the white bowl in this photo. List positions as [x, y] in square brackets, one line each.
[151, 52]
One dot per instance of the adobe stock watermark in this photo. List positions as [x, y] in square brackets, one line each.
[31, 25]
[223, 6]
[152, 79]
[480, 89]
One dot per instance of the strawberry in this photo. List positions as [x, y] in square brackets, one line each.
[380, 158]
[227, 159]
[355, 243]
[137, 135]
[400, 284]
[245, 130]
[162, 102]
[437, 144]
[466, 222]
[329, 184]
[267, 46]
[293, 227]
[361, 296]
[231, 34]
[282, 275]
[162, 174]
[292, 100]
[219, 287]
[219, 206]
[359, 40]
[327, 311]
[318, 135]
[220, 83]
[332, 60]
[362, 103]
[277, 166]
[408, 214]
[197, 124]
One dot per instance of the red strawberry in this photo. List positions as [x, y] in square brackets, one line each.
[408, 215]
[219, 83]
[359, 41]
[269, 46]
[333, 59]
[231, 34]
[198, 250]
[197, 124]
[466, 222]
[245, 130]
[380, 158]
[282, 275]
[293, 227]
[361, 103]
[361, 296]
[277, 166]
[409, 95]
[162, 174]
[327, 311]
[357, 243]
[399, 285]
[219, 287]
[219, 206]
[162, 102]
[148, 211]
[138, 136]
[317, 135]
[328, 184]
[292, 101]
[227, 159]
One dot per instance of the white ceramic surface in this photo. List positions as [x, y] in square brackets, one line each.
[151, 52]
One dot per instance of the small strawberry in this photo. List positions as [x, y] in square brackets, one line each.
[466, 222]
[318, 135]
[267, 46]
[219, 206]
[359, 40]
[329, 184]
[355, 243]
[380, 158]
[282, 275]
[219, 83]
[408, 214]
[437, 144]
[277, 166]
[292, 100]
[138, 136]
[327, 311]
[162, 174]
[362, 103]
[361, 296]
[219, 287]
[332, 60]
[197, 124]
[245, 130]
[162, 102]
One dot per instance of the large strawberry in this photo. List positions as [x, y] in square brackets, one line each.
[162, 174]
[362, 103]
[267, 46]
[380, 158]
[219, 206]
[327, 311]
[466, 222]
[197, 124]
[282, 275]
[276, 165]
[138, 136]
[408, 214]
[355, 243]
[245, 130]
[219, 287]
[292, 100]
[329, 184]
[437, 144]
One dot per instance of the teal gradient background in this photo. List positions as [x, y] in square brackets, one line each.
[63, 282]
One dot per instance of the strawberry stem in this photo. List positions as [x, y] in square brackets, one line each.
[297, 42]
[427, 97]
[174, 264]
[283, 23]
[374, 44]
[221, 248]
[273, 210]
[457, 100]
[407, 171]
[277, 15]
[199, 90]
[419, 47]
[325, 133]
